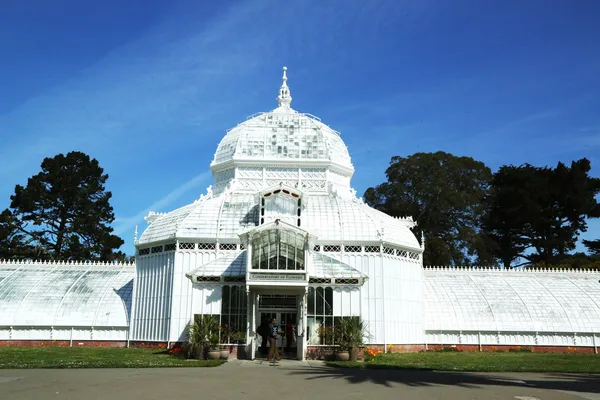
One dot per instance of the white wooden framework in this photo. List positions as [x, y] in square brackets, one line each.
[282, 233]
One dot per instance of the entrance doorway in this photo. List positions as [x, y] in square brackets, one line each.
[284, 310]
[287, 323]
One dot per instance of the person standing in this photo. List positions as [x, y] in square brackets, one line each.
[263, 331]
[273, 333]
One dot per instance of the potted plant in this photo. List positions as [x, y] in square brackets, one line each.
[342, 352]
[349, 334]
[356, 331]
[227, 338]
[214, 353]
[201, 335]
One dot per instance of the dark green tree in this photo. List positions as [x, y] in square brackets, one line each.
[444, 194]
[509, 205]
[12, 240]
[593, 246]
[537, 214]
[64, 212]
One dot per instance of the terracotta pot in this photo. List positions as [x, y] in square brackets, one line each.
[214, 354]
[224, 354]
[342, 356]
[354, 353]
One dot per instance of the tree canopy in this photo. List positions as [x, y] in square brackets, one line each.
[593, 246]
[537, 214]
[444, 194]
[63, 212]
[469, 215]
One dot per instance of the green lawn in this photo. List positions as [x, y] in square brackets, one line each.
[65, 357]
[489, 362]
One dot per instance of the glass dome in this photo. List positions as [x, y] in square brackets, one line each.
[279, 144]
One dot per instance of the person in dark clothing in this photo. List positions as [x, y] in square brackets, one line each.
[273, 333]
[263, 331]
[289, 337]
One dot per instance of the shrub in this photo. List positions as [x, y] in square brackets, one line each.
[450, 349]
[521, 350]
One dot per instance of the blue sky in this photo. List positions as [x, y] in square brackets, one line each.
[149, 87]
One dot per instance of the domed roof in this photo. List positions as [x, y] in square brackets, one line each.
[331, 218]
[282, 135]
[296, 150]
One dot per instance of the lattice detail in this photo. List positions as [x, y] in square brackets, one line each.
[286, 182]
[187, 246]
[389, 250]
[372, 249]
[319, 280]
[227, 246]
[282, 173]
[207, 246]
[170, 247]
[413, 256]
[332, 248]
[352, 249]
[313, 173]
[242, 246]
[251, 173]
[143, 252]
[213, 279]
[347, 281]
[314, 185]
[157, 249]
[251, 184]
[317, 247]
[234, 279]
[402, 253]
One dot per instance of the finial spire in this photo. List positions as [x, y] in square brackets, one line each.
[285, 97]
[135, 235]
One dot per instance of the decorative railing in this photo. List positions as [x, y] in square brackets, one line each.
[508, 270]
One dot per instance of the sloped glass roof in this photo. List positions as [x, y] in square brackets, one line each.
[329, 268]
[234, 265]
[65, 294]
[330, 218]
[511, 301]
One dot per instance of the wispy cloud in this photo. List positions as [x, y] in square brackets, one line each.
[519, 122]
[125, 224]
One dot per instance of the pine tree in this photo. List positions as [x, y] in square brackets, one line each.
[64, 212]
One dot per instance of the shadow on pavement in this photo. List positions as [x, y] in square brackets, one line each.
[411, 377]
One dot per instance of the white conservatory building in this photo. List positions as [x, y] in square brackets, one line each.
[282, 234]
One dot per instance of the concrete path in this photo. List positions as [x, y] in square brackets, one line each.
[289, 380]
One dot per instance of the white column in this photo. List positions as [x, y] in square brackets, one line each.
[249, 324]
[302, 340]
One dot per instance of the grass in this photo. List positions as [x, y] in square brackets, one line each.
[79, 357]
[483, 362]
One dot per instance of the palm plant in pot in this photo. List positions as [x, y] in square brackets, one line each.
[357, 332]
[227, 338]
[349, 335]
[201, 336]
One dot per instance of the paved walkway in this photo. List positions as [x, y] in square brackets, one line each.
[289, 380]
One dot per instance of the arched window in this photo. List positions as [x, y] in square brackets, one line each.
[283, 204]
